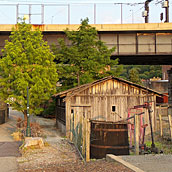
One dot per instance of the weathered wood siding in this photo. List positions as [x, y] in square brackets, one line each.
[60, 110]
[96, 102]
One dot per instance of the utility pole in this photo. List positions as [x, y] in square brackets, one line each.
[147, 9]
[145, 13]
[165, 5]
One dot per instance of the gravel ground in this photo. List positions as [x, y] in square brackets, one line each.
[98, 166]
[60, 156]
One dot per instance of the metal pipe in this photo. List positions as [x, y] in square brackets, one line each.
[30, 6]
[17, 12]
[42, 14]
[68, 13]
[121, 13]
[80, 153]
[150, 122]
[94, 13]
[28, 130]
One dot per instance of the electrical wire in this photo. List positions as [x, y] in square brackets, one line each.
[135, 12]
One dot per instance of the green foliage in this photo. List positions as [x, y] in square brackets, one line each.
[49, 109]
[27, 62]
[134, 76]
[143, 71]
[161, 144]
[86, 60]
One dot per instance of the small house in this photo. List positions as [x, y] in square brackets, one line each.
[109, 99]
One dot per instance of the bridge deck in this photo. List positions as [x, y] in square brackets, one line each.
[149, 43]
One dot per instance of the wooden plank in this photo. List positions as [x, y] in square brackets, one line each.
[80, 105]
[71, 126]
[170, 125]
[88, 140]
[161, 108]
[109, 122]
[160, 125]
[109, 129]
[109, 147]
[111, 95]
[154, 112]
[136, 132]
[68, 111]
[84, 121]
[108, 109]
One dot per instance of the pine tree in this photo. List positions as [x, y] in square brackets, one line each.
[27, 62]
[134, 76]
[86, 60]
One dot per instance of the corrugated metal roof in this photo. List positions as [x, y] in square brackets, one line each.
[73, 91]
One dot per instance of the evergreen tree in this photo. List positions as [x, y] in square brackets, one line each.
[134, 76]
[86, 60]
[145, 71]
[27, 62]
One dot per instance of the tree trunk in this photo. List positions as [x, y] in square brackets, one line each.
[25, 115]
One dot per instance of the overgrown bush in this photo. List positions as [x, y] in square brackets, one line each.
[35, 128]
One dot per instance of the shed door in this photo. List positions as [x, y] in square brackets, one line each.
[79, 116]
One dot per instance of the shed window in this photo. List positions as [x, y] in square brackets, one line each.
[113, 108]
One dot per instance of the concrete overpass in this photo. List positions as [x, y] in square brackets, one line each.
[149, 43]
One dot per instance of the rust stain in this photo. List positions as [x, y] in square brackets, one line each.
[149, 34]
[41, 27]
[164, 34]
[145, 34]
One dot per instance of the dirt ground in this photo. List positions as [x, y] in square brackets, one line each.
[59, 155]
[162, 143]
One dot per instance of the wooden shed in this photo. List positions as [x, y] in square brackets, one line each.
[107, 99]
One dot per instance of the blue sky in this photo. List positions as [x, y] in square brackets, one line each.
[107, 12]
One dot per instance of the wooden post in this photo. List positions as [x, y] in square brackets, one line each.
[71, 126]
[88, 140]
[170, 125]
[160, 125]
[84, 124]
[136, 133]
[68, 114]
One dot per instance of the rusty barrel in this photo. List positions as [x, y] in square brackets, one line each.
[108, 138]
